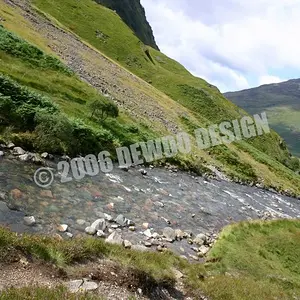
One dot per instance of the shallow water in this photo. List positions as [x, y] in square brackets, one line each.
[187, 202]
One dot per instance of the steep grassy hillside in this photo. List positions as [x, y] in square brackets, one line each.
[133, 14]
[282, 103]
[147, 110]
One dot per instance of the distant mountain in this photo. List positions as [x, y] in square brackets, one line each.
[133, 14]
[282, 103]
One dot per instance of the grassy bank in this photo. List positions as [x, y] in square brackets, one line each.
[257, 260]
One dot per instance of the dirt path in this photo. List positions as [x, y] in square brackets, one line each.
[111, 281]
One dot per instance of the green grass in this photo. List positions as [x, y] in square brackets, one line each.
[257, 260]
[30, 293]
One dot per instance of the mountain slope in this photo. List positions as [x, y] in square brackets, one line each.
[282, 103]
[133, 14]
[156, 96]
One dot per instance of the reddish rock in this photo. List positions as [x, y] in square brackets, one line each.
[46, 194]
[16, 194]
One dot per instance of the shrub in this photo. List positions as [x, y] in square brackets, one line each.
[102, 110]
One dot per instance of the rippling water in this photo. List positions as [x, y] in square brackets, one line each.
[187, 202]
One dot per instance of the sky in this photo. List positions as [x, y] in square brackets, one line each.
[233, 44]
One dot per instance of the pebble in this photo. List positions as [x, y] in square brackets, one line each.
[131, 228]
[127, 244]
[90, 230]
[100, 233]
[62, 228]
[29, 221]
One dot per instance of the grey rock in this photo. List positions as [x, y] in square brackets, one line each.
[144, 172]
[3, 207]
[127, 244]
[45, 155]
[200, 239]
[114, 238]
[25, 157]
[90, 230]
[10, 145]
[140, 248]
[80, 222]
[69, 235]
[179, 234]
[169, 233]
[108, 218]
[147, 233]
[29, 221]
[89, 286]
[1, 153]
[148, 244]
[74, 285]
[203, 250]
[100, 233]
[121, 220]
[18, 151]
[99, 224]
[131, 228]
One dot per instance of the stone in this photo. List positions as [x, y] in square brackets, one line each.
[144, 172]
[148, 244]
[121, 220]
[108, 217]
[1, 153]
[44, 155]
[46, 194]
[169, 234]
[159, 248]
[127, 244]
[74, 285]
[80, 222]
[178, 274]
[88, 286]
[115, 226]
[131, 228]
[69, 235]
[36, 159]
[62, 228]
[10, 145]
[99, 224]
[179, 234]
[25, 157]
[145, 225]
[203, 251]
[147, 233]
[140, 248]
[200, 239]
[100, 233]
[114, 238]
[90, 230]
[3, 207]
[29, 221]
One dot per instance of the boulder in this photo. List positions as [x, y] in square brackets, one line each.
[29, 221]
[18, 151]
[114, 238]
[169, 234]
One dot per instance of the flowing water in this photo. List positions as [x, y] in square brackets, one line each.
[162, 198]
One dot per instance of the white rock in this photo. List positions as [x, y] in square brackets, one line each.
[127, 244]
[18, 151]
[147, 233]
[99, 224]
[29, 221]
[100, 233]
[114, 238]
[1, 153]
[90, 230]
[63, 228]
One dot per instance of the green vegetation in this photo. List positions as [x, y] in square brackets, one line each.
[102, 110]
[257, 260]
[30, 293]
[133, 14]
